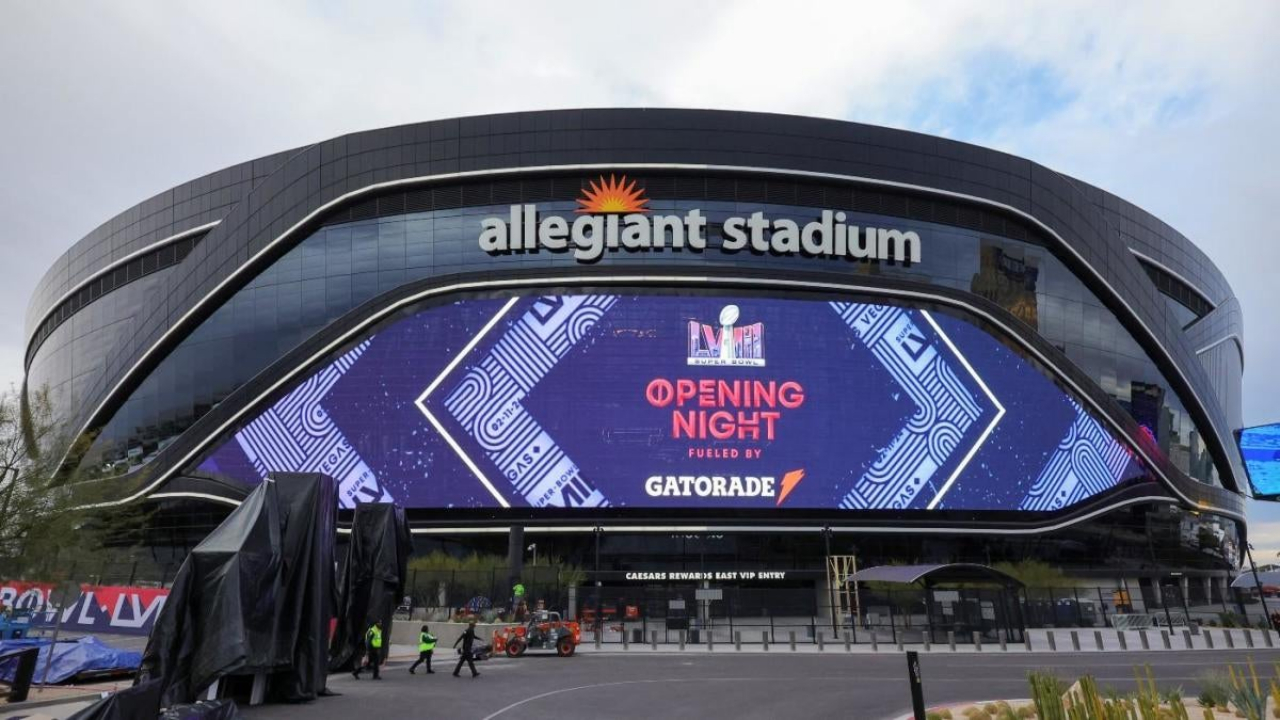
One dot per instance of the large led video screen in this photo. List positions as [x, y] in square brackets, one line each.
[710, 402]
[1260, 447]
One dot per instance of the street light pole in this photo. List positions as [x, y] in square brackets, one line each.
[1248, 551]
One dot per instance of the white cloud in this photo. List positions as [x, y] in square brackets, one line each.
[1167, 104]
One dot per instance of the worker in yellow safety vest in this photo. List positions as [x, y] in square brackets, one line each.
[373, 650]
[426, 644]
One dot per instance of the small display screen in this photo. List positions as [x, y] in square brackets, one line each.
[1260, 447]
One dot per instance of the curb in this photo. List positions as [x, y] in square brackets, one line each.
[31, 704]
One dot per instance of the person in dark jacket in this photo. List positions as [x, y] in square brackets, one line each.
[426, 646]
[468, 640]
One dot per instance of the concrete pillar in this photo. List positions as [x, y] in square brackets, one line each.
[515, 561]
[1156, 593]
[1224, 591]
[1208, 589]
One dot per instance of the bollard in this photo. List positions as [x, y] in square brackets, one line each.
[1186, 638]
[682, 635]
[25, 673]
[764, 638]
[1053, 642]
[848, 642]
[1248, 638]
[1097, 639]
[951, 639]
[899, 642]
[598, 638]
[711, 641]
[737, 640]
[928, 640]
[821, 644]
[917, 685]
[1266, 635]
[1124, 641]
[626, 640]
[1026, 640]
[1075, 641]
[1208, 639]
[653, 639]
[1146, 642]
[1004, 641]
[875, 642]
[793, 640]
[1231, 639]
[977, 641]
[1168, 642]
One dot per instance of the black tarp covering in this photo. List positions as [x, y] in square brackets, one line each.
[139, 701]
[255, 595]
[308, 508]
[209, 710]
[220, 614]
[373, 579]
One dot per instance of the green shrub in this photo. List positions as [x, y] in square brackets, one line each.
[1232, 620]
[1215, 690]
[1246, 692]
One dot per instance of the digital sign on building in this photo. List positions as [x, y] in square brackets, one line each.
[1260, 447]
[657, 400]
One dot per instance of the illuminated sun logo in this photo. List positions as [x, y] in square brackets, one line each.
[613, 196]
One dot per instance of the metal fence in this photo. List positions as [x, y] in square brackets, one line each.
[635, 612]
[640, 613]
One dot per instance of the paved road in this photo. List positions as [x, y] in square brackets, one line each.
[702, 686]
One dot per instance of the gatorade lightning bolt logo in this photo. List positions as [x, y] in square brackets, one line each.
[789, 482]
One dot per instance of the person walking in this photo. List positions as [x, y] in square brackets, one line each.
[468, 640]
[426, 645]
[373, 650]
[518, 607]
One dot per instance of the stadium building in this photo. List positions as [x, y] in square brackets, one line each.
[669, 342]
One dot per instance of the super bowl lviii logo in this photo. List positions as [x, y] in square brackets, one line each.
[727, 343]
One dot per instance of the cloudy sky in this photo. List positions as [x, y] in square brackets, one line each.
[1171, 105]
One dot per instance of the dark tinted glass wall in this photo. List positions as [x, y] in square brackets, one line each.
[342, 266]
[77, 349]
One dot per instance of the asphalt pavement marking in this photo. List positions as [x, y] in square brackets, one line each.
[561, 691]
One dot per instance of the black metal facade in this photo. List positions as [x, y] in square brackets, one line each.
[99, 341]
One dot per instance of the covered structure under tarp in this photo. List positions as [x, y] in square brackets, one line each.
[308, 584]
[252, 596]
[933, 575]
[373, 579]
[70, 658]
[969, 607]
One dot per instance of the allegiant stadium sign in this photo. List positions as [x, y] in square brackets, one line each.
[612, 217]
